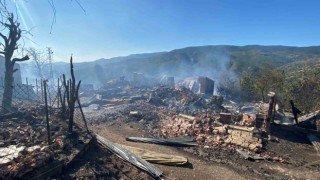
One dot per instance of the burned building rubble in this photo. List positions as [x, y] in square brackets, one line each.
[165, 110]
[223, 129]
[206, 85]
[207, 121]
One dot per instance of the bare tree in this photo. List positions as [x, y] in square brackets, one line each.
[39, 62]
[8, 47]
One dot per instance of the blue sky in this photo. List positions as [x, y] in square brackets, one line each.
[112, 28]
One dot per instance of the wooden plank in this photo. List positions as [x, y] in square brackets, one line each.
[158, 158]
[315, 141]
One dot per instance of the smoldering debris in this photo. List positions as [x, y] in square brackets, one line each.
[187, 110]
[24, 147]
[188, 114]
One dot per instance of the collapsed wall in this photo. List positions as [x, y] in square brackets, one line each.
[201, 85]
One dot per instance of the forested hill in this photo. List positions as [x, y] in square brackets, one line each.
[203, 60]
[212, 61]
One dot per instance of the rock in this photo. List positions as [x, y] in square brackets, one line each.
[45, 149]
[33, 148]
[200, 139]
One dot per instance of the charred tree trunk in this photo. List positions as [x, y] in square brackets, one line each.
[9, 45]
[8, 86]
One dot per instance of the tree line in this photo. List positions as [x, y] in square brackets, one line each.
[301, 86]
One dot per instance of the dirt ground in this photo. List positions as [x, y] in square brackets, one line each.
[204, 163]
[98, 163]
[220, 164]
[291, 155]
[199, 168]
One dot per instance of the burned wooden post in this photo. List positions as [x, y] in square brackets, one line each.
[72, 94]
[50, 98]
[270, 112]
[46, 107]
[58, 94]
[41, 89]
[82, 114]
[295, 112]
[37, 88]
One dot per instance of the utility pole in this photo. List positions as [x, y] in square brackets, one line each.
[49, 51]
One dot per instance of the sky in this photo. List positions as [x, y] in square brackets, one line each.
[110, 28]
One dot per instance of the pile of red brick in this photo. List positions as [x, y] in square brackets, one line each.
[213, 132]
